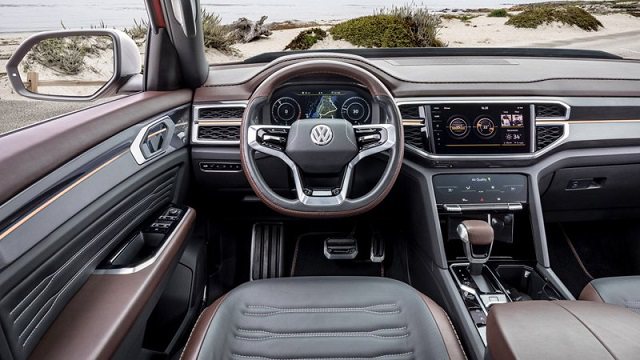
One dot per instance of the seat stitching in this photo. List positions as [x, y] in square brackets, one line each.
[196, 325]
[456, 334]
[161, 187]
[268, 335]
[371, 309]
[386, 356]
[57, 295]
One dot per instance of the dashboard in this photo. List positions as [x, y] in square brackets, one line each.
[292, 103]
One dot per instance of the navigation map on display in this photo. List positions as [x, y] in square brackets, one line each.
[323, 108]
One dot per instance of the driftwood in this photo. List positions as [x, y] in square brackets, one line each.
[244, 30]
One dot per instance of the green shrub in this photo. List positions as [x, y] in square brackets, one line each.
[465, 18]
[138, 31]
[404, 26]
[62, 55]
[216, 35]
[498, 13]
[306, 39]
[535, 16]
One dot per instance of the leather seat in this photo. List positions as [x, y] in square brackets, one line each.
[328, 318]
[623, 291]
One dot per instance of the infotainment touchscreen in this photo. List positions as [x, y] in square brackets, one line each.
[481, 128]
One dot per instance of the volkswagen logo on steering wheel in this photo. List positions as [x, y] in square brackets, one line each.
[321, 135]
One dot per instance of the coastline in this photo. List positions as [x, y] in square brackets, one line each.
[473, 29]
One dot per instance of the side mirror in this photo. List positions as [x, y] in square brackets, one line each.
[74, 65]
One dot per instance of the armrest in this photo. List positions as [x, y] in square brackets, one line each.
[98, 318]
[562, 330]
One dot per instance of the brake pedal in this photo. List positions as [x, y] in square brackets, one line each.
[267, 251]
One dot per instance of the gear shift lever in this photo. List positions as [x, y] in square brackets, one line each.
[477, 236]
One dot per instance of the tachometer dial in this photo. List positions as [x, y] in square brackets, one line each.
[285, 111]
[356, 110]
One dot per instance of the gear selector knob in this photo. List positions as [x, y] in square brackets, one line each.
[477, 236]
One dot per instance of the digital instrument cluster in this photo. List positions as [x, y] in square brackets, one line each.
[298, 102]
[481, 128]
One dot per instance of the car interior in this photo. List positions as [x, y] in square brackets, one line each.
[461, 203]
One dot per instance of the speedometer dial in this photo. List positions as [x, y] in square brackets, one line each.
[356, 110]
[285, 111]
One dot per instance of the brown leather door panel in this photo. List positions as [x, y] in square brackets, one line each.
[96, 320]
[73, 188]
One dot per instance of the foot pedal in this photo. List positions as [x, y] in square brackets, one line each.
[341, 249]
[267, 251]
[377, 249]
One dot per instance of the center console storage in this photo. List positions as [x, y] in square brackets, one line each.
[486, 225]
[561, 329]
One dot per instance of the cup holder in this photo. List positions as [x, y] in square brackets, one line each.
[524, 283]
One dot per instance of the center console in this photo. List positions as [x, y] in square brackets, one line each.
[486, 225]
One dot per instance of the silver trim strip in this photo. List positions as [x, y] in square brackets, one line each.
[143, 265]
[482, 100]
[140, 138]
[220, 104]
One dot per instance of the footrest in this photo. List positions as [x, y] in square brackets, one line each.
[267, 251]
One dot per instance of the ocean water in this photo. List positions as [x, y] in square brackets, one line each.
[39, 15]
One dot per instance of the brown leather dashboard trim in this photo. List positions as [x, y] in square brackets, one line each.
[31, 153]
[101, 313]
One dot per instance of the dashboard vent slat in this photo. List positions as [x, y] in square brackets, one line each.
[410, 112]
[547, 135]
[219, 133]
[413, 135]
[550, 111]
[219, 123]
[220, 113]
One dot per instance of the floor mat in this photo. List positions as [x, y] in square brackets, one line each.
[309, 259]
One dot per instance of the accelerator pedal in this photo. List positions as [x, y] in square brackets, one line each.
[267, 251]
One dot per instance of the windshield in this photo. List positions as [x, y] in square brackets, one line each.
[240, 29]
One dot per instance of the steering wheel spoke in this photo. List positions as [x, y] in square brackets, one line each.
[373, 139]
[268, 139]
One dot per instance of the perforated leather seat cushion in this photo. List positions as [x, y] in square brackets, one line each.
[323, 318]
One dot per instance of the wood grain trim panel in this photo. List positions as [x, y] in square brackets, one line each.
[51, 200]
[98, 317]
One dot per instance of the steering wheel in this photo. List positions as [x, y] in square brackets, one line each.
[322, 147]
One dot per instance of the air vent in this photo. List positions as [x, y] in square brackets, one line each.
[411, 112]
[413, 135]
[547, 135]
[221, 113]
[218, 124]
[551, 111]
[219, 133]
